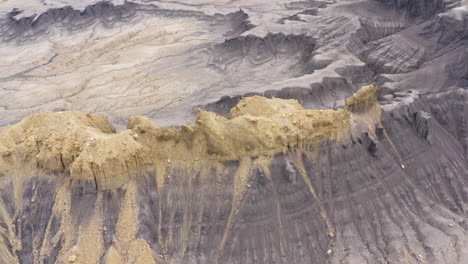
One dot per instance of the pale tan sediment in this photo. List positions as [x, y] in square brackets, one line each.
[87, 146]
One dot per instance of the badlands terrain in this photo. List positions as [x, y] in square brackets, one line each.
[240, 131]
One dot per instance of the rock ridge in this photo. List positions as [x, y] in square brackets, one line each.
[86, 145]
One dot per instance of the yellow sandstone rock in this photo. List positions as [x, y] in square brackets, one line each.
[87, 146]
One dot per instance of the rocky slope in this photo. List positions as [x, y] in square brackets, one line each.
[233, 131]
[272, 182]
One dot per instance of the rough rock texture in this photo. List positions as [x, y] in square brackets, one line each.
[423, 125]
[459, 69]
[255, 50]
[87, 147]
[233, 131]
[104, 12]
[370, 189]
[417, 7]
[451, 25]
[451, 111]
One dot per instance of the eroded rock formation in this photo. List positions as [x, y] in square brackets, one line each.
[231, 188]
[233, 131]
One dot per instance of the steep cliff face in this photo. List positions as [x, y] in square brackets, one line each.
[417, 7]
[102, 13]
[271, 182]
[459, 69]
[451, 26]
[252, 51]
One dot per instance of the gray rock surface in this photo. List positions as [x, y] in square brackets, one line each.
[423, 125]
[394, 191]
